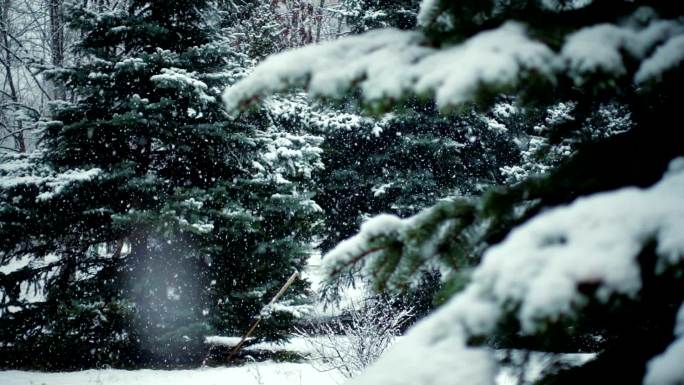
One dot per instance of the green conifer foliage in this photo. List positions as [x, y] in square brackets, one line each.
[142, 224]
[364, 15]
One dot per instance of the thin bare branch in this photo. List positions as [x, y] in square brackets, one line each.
[16, 132]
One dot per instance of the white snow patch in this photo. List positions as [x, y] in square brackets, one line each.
[381, 190]
[222, 340]
[267, 373]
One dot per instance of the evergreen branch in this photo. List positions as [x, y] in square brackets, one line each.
[25, 273]
[351, 262]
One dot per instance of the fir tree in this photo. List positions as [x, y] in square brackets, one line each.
[147, 220]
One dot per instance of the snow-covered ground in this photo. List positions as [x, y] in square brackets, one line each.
[261, 373]
[265, 373]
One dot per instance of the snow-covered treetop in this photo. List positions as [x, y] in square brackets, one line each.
[534, 276]
[388, 65]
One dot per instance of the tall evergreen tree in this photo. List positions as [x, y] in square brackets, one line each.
[148, 219]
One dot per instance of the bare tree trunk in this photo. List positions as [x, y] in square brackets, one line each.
[19, 138]
[18, 135]
[57, 41]
[319, 21]
[7, 61]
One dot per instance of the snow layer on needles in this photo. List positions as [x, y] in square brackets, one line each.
[499, 56]
[25, 169]
[429, 9]
[600, 48]
[596, 239]
[539, 266]
[347, 251]
[667, 368]
[389, 63]
[666, 57]
[386, 65]
[329, 69]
